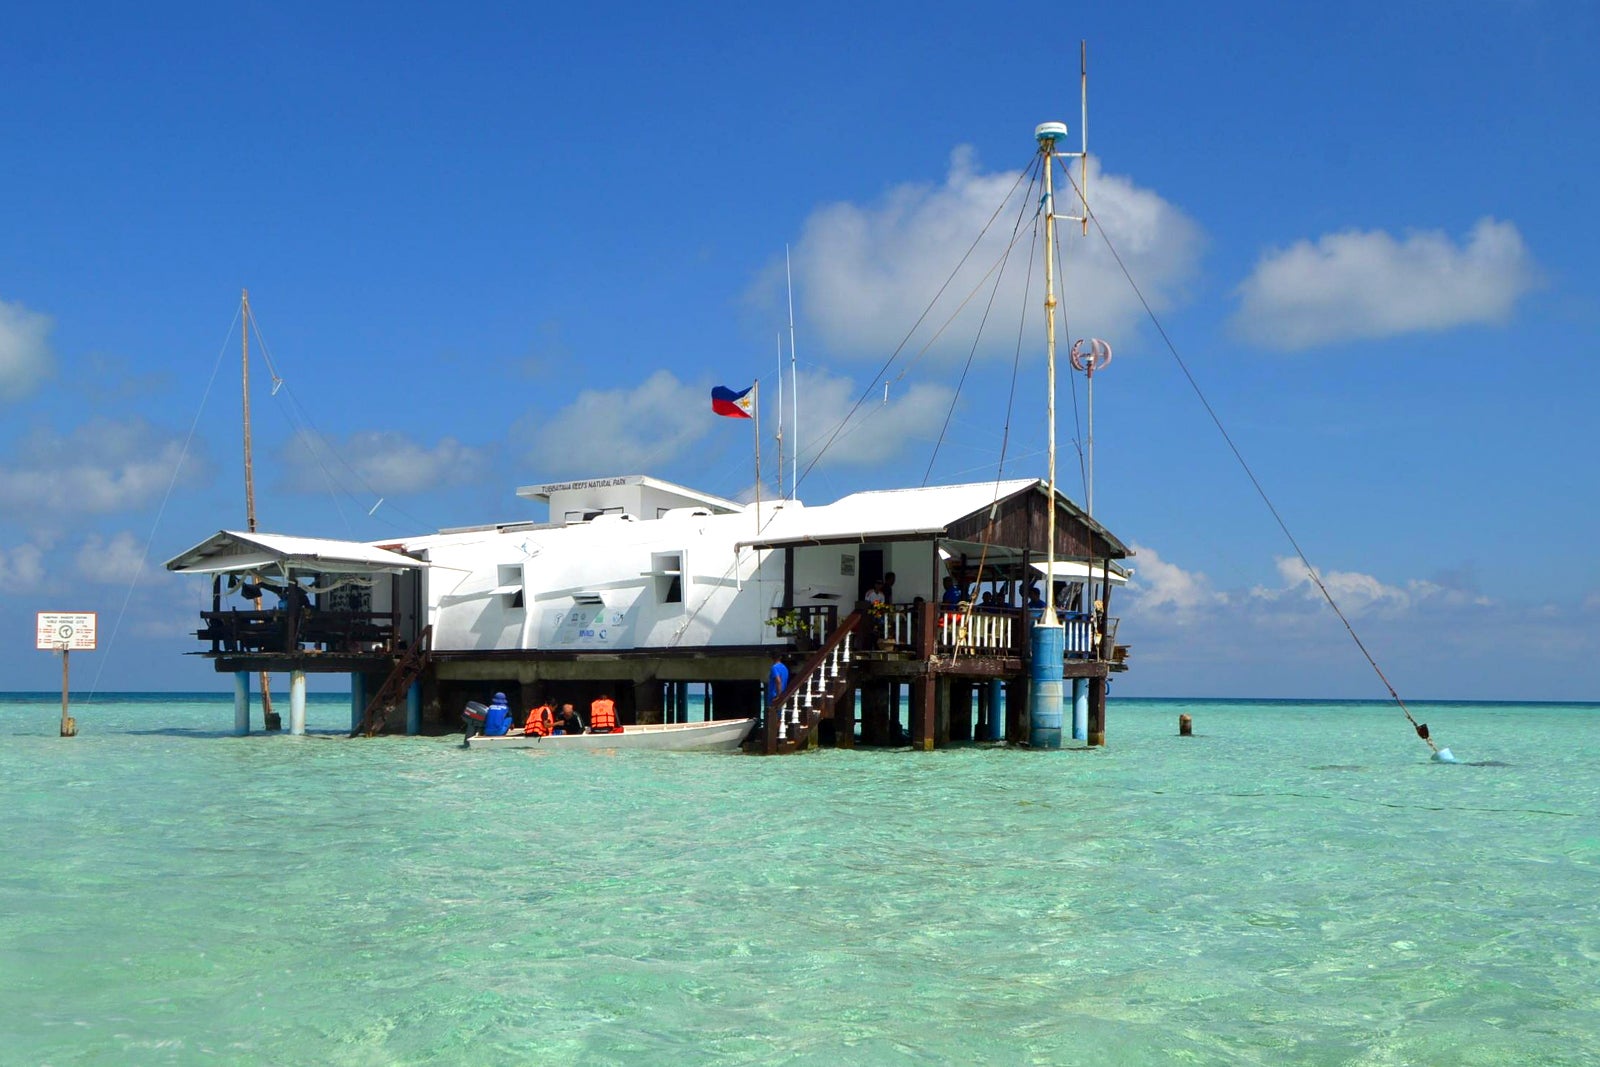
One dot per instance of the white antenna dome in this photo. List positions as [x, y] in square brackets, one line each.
[1049, 131]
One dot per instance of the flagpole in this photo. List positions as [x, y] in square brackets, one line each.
[779, 434]
[755, 408]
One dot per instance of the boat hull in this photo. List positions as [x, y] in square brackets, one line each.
[724, 735]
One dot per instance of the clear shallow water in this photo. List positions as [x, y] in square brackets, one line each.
[1295, 885]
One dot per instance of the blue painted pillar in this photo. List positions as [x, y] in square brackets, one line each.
[414, 709]
[241, 702]
[1044, 692]
[1080, 709]
[358, 700]
[997, 711]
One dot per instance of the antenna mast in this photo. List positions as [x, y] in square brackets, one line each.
[794, 388]
[269, 717]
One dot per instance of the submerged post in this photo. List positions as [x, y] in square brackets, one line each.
[358, 700]
[414, 709]
[297, 702]
[69, 726]
[997, 711]
[1080, 709]
[241, 702]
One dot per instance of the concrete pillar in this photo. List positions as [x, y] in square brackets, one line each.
[924, 712]
[241, 702]
[1044, 689]
[414, 709]
[997, 711]
[297, 702]
[358, 700]
[1080, 709]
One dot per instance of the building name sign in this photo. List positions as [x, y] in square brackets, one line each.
[68, 631]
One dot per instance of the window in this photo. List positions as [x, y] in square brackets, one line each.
[510, 585]
[667, 570]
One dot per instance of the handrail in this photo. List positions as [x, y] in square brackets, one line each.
[774, 723]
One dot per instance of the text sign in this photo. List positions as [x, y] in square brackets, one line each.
[69, 630]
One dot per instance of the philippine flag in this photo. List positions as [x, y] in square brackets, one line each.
[725, 401]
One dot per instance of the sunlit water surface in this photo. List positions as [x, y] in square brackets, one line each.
[1297, 884]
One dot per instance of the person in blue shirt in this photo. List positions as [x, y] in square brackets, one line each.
[498, 719]
[953, 593]
[777, 678]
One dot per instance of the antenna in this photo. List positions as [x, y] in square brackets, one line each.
[794, 385]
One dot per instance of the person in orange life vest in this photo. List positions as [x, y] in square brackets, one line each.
[541, 720]
[603, 716]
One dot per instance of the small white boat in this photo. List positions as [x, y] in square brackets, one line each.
[724, 735]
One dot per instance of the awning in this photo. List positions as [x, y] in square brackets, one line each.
[233, 552]
[1076, 570]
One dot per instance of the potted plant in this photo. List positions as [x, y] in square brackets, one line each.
[791, 624]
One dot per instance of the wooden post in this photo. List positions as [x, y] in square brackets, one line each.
[647, 702]
[1185, 726]
[1097, 711]
[924, 712]
[958, 722]
[844, 720]
[69, 725]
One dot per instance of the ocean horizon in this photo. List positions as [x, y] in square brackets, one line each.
[1296, 884]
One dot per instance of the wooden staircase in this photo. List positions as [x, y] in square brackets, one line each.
[407, 669]
[791, 720]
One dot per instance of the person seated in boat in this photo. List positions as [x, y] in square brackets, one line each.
[568, 721]
[603, 716]
[541, 721]
[497, 721]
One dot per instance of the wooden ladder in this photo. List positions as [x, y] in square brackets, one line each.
[792, 719]
[406, 670]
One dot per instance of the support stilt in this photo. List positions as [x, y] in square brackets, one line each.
[241, 702]
[297, 703]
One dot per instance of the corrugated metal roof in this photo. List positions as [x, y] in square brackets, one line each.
[232, 550]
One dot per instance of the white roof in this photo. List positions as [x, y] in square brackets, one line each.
[1068, 570]
[884, 514]
[231, 551]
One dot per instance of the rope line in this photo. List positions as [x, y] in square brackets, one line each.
[1421, 728]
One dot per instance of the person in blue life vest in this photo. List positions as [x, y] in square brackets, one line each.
[498, 719]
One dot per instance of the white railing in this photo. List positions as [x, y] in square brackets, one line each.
[1079, 636]
[813, 689]
[976, 631]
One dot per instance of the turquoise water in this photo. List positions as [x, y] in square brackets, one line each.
[1295, 885]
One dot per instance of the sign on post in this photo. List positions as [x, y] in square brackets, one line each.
[66, 632]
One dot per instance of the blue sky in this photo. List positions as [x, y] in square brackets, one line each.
[489, 247]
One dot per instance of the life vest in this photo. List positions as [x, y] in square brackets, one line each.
[541, 720]
[603, 716]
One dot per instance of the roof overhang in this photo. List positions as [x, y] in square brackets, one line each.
[233, 552]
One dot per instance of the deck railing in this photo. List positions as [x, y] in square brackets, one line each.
[813, 621]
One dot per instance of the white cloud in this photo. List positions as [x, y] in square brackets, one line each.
[1362, 285]
[877, 431]
[1360, 594]
[1160, 586]
[385, 462]
[610, 431]
[21, 568]
[865, 273]
[110, 562]
[25, 356]
[102, 466]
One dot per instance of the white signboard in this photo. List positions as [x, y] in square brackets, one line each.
[69, 630]
[587, 626]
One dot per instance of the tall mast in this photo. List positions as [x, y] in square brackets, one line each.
[794, 388]
[1047, 134]
[249, 472]
[269, 717]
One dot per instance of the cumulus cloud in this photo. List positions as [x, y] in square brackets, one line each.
[878, 430]
[385, 462]
[1158, 585]
[1363, 285]
[102, 466]
[1363, 594]
[110, 561]
[25, 356]
[865, 273]
[612, 430]
[21, 568]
